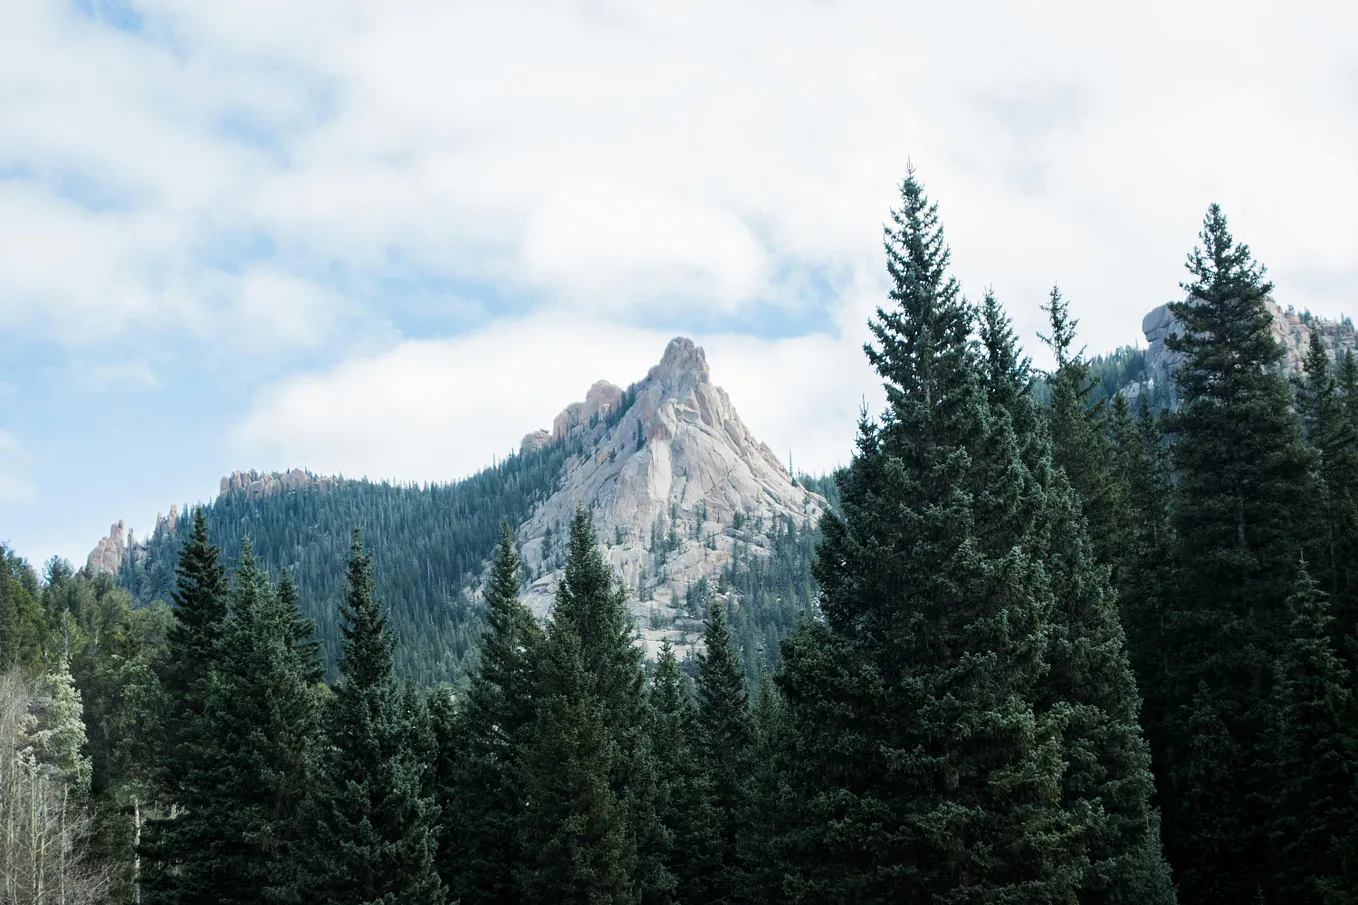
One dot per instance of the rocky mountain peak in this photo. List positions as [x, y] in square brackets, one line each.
[682, 367]
[107, 556]
[674, 481]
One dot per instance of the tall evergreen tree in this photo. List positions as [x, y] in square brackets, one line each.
[922, 767]
[1242, 474]
[260, 715]
[200, 606]
[1080, 445]
[244, 766]
[369, 831]
[1333, 435]
[480, 797]
[577, 846]
[1089, 689]
[1311, 736]
[766, 803]
[593, 604]
[725, 740]
[300, 632]
[684, 803]
[183, 757]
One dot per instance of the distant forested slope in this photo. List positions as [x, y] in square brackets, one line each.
[428, 544]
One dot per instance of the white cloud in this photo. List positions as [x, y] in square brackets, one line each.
[440, 409]
[609, 155]
[620, 248]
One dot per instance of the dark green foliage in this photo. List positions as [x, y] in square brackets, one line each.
[174, 850]
[1080, 444]
[767, 798]
[922, 769]
[260, 716]
[771, 592]
[1089, 690]
[22, 628]
[1332, 433]
[480, 795]
[242, 760]
[577, 847]
[1242, 477]
[725, 738]
[684, 790]
[368, 826]
[429, 544]
[1310, 743]
[592, 604]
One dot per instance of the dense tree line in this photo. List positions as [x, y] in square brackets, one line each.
[1043, 648]
[429, 546]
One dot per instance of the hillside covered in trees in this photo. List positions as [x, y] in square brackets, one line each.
[1058, 649]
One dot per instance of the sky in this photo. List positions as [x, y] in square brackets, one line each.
[390, 238]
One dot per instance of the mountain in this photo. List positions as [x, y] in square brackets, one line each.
[688, 504]
[1145, 371]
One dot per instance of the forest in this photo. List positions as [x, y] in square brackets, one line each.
[1046, 647]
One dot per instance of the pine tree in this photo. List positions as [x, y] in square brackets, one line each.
[1313, 793]
[922, 769]
[260, 716]
[200, 606]
[301, 631]
[173, 846]
[725, 743]
[684, 800]
[594, 606]
[369, 823]
[244, 767]
[1242, 474]
[1080, 444]
[1334, 438]
[480, 796]
[573, 829]
[1089, 689]
[766, 800]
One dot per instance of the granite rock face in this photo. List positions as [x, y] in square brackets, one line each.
[107, 556]
[256, 485]
[673, 479]
[1291, 330]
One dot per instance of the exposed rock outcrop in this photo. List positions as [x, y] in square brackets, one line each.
[107, 556]
[1291, 330]
[255, 485]
[673, 479]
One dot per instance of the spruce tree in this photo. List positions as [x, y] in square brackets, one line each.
[922, 769]
[243, 771]
[1242, 476]
[577, 846]
[1333, 435]
[725, 742]
[480, 796]
[1089, 690]
[369, 824]
[684, 801]
[593, 604]
[1313, 792]
[300, 632]
[260, 715]
[200, 606]
[183, 757]
[766, 801]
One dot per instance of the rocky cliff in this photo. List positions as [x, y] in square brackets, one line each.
[674, 481]
[109, 554]
[1290, 329]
